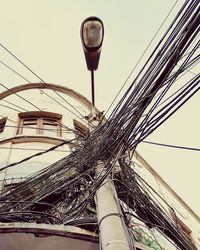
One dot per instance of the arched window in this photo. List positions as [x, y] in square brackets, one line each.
[39, 123]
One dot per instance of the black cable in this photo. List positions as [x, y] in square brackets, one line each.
[141, 56]
[40, 80]
[66, 130]
[31, 149]
[5, 106]
[37, 154]
[66, 183]
[27, 102]
[15, 105]
[3, 85]
[171, 146]
[14, 71]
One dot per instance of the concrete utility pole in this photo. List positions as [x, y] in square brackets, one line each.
[111, 224]
[113, 234]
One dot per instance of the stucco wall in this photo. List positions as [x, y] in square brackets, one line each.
[17, 147]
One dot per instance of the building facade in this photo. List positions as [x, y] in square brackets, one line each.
[38, 117]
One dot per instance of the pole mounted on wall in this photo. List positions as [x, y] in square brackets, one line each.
[92, 34]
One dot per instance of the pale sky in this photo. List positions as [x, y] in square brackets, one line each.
[45, 35]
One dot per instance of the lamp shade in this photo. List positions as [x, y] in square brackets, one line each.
[92, 33]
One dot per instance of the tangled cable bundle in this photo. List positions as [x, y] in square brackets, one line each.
[63, 193]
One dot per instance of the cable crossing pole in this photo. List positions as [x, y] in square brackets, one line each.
[113, 232]
[112, 229]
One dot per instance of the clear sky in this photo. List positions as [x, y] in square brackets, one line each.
[45, 35]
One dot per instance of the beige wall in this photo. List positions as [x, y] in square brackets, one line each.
[15, 148]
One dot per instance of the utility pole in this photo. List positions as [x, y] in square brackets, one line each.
[113, 235]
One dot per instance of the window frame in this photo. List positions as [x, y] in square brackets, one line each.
[40, 117]
[2, 123]
[185, 229]
[80, 130]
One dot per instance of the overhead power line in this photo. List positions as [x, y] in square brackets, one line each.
[35, 155]
[15, 105]
[6, 106]
[154, 36]
[31, 149]
[171, 146]
[24, 99]
[64, 130]
[71, 183]
[28, 68]
[14, 71]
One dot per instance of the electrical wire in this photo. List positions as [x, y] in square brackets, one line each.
[64, 130]
[32, 149]
[171, 146]
[14, 71]
[3, 85]
[15, 105]
[28, 68]
[37, 154]
[146, 49]
[17, 110]
[6, 106]
[71, 183]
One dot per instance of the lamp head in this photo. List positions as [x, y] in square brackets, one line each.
[92, 33]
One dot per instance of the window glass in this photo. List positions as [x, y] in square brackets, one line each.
[51, 126]
[29, 126]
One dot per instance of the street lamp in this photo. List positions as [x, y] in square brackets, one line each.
[92, 33]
